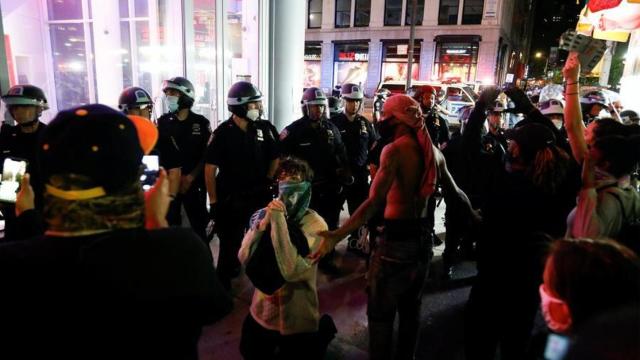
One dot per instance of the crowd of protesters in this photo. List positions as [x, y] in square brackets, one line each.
[95, 266]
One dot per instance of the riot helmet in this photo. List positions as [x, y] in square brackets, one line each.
[26, 95]
[595, 97]
[313, 96]
[134, 97]
[240, 94]
[551, 107]
[352, 92]
[184, 87]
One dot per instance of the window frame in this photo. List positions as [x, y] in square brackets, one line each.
[420, 15]
[386, 8]
[457, 17]
[464, 7]
[89, 59]
[337, 11]
[309, 13]
[355, 13]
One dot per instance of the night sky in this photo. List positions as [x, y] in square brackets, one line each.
[552, 18]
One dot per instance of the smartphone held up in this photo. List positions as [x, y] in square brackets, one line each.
[12, 172]
[151, 169]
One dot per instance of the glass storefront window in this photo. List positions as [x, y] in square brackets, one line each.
[419, 12]
[200, 65]
[70, 65]
[351, 62]
[147, 42]
[472, 12]
[362, 13]
[392, 12]
[448, 13]
[394, 61]
[456, 61]
[312, 64]
[65, 9]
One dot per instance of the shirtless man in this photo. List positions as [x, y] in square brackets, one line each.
[409, 167]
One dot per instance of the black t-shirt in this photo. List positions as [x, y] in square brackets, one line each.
[189, 136]
[145, 294]
[321, 147]
[242, 157]
[358, 137]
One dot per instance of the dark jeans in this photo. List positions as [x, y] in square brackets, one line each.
[195, 205]
[396, 276]
[499, 314]
[327, 201]
[263, 344]
[356, 193]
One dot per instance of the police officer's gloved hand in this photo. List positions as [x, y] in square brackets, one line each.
[520, 99]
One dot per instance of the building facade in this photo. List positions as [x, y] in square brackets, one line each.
[366, 41]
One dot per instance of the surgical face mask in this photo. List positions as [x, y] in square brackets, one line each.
[557, 123]
[172, 103]
[558, 320]
[296, 196]
[253, 114]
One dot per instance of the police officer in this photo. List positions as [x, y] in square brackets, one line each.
[358, 136]
[436, 124]
[335, 106]
[381, 97]
[315, 139]
[189, 133]
[25, 104]
[244, 151]
[494, 142]
[137, 101]
[592, 103]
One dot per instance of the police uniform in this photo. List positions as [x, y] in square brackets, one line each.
[358, 137]
[17, 144]
[438, 127]
[323, 149]
[190, 138]
[243, 159]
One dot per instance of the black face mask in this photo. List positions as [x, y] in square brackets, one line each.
[386, 130]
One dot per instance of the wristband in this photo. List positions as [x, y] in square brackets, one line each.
[573, 93]
[571, 83]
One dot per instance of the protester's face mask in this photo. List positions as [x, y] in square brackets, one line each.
[555, 311]
[296, 196]
[172, 103]
[386, 129]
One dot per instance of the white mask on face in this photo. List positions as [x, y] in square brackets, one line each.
[172, 103]
[253, 114]
[557, 123]
[559, 320]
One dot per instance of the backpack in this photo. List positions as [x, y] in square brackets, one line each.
[629, 234]
[262, 268]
